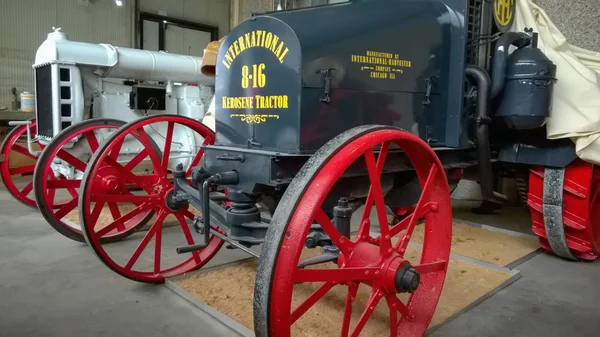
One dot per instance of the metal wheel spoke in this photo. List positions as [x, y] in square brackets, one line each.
[114, 210]
[115, 150]
[376, 191]
[188, 235]
[25, 191]
[22, 169]
[145, 140]
[98, 207]
[68, 207]
[311, 300]
[136, 160]
[352, 290]
[403, 224]
[113, 198]
[71, 160]
[430, 267]
[335, 235]
[371, 304]
[393, 315]
[51, 192]
[138, 180]
[365, 224]
[156, 226]
[22, 150]
[121, 220]
[92, 141]
[157, 251]
[335, 275]
[422, 204]
[167, 150]
[195, 161]
[395, 303]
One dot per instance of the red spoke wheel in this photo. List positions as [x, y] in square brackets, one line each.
[180, 140]
[17, 164]
[382, 263]
[58, 174]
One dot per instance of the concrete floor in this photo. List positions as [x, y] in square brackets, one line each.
[51, 286]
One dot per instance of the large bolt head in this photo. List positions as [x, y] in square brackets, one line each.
[407, 279]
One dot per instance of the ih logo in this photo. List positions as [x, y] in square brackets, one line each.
[504, 14]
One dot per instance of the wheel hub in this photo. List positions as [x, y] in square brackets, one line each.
[407, 279]
[174, 202]
[396, 275]
[110, 183]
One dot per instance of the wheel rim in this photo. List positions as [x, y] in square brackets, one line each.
[365, 259]
[8, 173]
[48, 187]
[155, 187]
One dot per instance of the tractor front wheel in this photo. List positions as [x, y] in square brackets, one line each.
[378, 256]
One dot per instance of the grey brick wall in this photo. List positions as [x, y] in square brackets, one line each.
[578, 20]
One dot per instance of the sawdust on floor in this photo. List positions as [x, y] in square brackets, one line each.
[230, 291]
[482, 244]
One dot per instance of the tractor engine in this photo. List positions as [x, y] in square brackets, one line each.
[75, 81]
[78, 81]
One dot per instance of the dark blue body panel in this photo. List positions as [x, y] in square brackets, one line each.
[390, 62]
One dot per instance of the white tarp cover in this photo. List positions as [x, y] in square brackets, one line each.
[575, 110]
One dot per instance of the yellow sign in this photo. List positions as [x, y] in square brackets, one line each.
[504, 14]
[256, 119]
[381, 65]
[253, 39]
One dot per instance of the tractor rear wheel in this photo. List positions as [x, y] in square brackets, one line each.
[13, 173]
[62, 188]
[130, 258]
[565, 209]
[406, 284]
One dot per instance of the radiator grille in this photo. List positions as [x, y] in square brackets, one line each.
[43, 85]
[474, 31]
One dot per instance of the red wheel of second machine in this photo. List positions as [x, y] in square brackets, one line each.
[17, 164]
[58, 175]
[389, 271]
[180, 140]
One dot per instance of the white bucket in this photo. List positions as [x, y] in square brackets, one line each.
[27, 102]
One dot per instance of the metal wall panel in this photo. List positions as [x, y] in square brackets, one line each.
[209, 12]
[24, 25]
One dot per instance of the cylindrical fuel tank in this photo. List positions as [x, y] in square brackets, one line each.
[526, 99]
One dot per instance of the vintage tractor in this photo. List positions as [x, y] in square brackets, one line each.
[84, 93]
[331, 120]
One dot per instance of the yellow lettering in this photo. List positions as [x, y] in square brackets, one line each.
[268, 40]
[274, 44]
[381, 65]
[241, 43]
[257, 38]
[375, 74]
[236, 48]
[247, 37]
[282, 57]
[256, 102]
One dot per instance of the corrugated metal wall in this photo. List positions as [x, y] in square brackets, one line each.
[24, 25]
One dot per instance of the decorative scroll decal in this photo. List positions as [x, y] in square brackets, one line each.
[256, 119]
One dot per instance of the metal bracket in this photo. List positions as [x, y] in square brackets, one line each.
[29, 138]
[327, 88]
